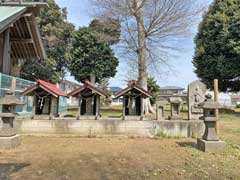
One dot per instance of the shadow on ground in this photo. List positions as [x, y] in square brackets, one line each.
[7, 169]
[188, 144]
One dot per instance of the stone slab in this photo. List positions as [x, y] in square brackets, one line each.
[132, 118]
[10, 142]
[196, 95]
[211, 146]
[43, 117]
[175, 118]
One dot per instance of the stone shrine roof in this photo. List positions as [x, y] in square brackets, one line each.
[49, 87]
[175, 100]
[209, 103]
[87, 85]
[10, 99]
[132, 86]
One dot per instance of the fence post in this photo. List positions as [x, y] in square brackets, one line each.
[216, 99]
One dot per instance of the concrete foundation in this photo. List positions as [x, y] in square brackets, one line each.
[210, 146]
[111, 127]
[10, 142]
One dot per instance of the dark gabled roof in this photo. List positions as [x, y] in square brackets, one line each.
[171, 88]
[115, 89]
[50, 88]
[87, 85]
[132, 86]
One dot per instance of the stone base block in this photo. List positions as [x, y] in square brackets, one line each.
[210, 146]
[175, 118]
[132, 118]
[10, 142]
[42, 117]
[88, 117]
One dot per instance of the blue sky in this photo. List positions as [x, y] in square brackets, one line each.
[79, 15]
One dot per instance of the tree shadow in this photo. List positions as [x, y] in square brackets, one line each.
[7, 169]
[188, 144]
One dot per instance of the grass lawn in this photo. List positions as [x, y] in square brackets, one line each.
[60, 158]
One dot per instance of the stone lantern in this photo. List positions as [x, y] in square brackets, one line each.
[8, 135]
[210, 142]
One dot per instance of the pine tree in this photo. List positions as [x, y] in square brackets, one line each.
[217, 54]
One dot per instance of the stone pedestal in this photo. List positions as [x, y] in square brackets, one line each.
[160, 110]
[211, 146]
[210, 132]
[10, 142]
[175, 108]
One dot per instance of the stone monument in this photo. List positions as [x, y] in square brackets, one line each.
[175, 108]
[160, 107]
[196, 95]
[8, 135]
[210, 142]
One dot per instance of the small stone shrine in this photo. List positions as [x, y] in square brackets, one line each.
[160, 107]
[196, 95]
[133, 97]
[8, 135]
[89, 100]
[175, 108]
[210, 142]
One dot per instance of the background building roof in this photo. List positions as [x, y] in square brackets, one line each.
[115, 89]
[171, 88]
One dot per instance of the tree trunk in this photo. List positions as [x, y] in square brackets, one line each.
[142, 51]
[92, 78]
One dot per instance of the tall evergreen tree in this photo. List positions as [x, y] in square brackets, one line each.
[217, 54]
[90, 57]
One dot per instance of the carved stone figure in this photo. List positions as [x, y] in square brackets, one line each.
[196, 95]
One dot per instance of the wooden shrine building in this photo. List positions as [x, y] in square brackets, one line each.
[89, 100]
[20, 39]
[46, 98]
[133, 97]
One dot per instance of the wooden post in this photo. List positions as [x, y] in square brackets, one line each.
[1, 50]
[123, 109]
[34, 105]
[13, 85]
[142, 108]
[216, 99]
[79, 107]
[157, 111]
[6, 51]
[97, 107]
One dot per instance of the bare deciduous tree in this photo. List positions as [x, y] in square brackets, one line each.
[150, 27]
